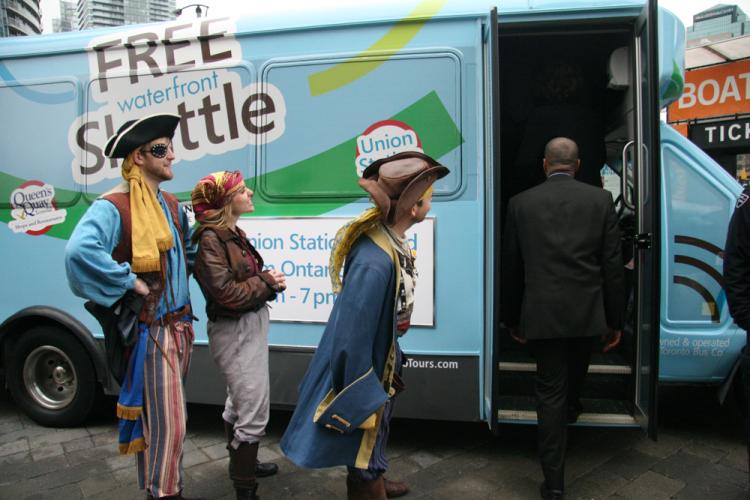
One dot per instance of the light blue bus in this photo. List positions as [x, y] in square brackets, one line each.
[301, 103]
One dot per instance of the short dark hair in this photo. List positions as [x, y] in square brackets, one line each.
[561, 151]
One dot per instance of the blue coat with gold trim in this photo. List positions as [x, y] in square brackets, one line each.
[342, 395]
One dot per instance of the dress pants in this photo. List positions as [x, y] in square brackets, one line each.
[561, 365]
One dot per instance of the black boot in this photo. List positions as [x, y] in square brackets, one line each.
[265, 469]
[262, 469]
[242, 470]
[247, 493]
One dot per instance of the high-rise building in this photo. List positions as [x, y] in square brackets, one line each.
[67, 20]
[20, 17]
[98, 13]
[717, 23]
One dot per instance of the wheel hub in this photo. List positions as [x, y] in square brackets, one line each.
[49, 377]
[60, 375]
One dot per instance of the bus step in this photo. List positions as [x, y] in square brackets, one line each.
[596, 412]
[606, 369]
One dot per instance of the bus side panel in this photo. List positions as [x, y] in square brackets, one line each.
[300, 114]
[699, 341]
[39, 201]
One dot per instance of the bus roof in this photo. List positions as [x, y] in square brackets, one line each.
[281, 18]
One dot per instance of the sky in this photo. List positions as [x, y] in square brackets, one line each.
[684, 9]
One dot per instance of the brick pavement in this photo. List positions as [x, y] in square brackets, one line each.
[699, 455]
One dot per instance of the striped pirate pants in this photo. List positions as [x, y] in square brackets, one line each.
[165, 415]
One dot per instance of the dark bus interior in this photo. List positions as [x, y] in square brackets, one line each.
[600, 55]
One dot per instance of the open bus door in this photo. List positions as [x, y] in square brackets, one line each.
[492, 219]
[642, 159]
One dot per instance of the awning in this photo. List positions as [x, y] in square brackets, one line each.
[728, 50]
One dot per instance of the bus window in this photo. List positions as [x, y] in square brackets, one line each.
[428, 120]
[32, 179]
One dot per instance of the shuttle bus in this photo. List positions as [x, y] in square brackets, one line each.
[301, 102]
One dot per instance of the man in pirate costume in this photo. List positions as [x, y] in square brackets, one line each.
[135, 238]
[346, 397]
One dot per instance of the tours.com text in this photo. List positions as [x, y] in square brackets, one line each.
[429, 363]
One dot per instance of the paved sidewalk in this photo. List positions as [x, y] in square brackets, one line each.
[699, 455]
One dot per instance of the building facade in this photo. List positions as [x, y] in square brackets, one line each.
[100, 13]
[20, 18]
[67, 20]
[717, 23]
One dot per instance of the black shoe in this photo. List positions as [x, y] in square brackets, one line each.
[550, 494]
[265, 469]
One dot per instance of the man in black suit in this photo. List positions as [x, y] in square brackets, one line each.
[562, 289]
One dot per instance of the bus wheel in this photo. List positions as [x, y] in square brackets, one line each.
[51, 377]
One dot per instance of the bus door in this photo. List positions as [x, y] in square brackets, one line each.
[492, 240]
[640, 190]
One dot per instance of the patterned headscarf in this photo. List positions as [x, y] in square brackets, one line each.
[213, 192]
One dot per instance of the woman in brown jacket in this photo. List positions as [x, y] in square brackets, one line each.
[230, 273]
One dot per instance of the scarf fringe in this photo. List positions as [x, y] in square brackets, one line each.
[164, 245]
[146, 265]
[133, 447]
[128, 412]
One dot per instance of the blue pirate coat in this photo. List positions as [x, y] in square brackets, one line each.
[341, 397]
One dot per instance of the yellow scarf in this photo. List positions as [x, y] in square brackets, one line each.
[345, 238]
[150, 230]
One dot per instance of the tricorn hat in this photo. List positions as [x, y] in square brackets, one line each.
[396, 183]
[136, 133]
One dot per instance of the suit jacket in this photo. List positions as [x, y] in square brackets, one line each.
[562, 266]
[341, 397]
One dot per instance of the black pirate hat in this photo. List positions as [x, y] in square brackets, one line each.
[136, 133]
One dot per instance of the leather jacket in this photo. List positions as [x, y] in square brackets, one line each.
[229, 272]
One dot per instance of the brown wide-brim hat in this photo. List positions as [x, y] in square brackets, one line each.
[396, 183]
[135, 133]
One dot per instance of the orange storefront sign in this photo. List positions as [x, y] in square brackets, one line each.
[715, 91]
[682, 128]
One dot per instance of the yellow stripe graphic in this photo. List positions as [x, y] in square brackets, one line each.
[394, 40]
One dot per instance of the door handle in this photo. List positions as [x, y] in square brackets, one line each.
[626, 194]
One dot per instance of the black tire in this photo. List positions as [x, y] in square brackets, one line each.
[51, 377]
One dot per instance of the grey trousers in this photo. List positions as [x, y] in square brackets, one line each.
[240, 350]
